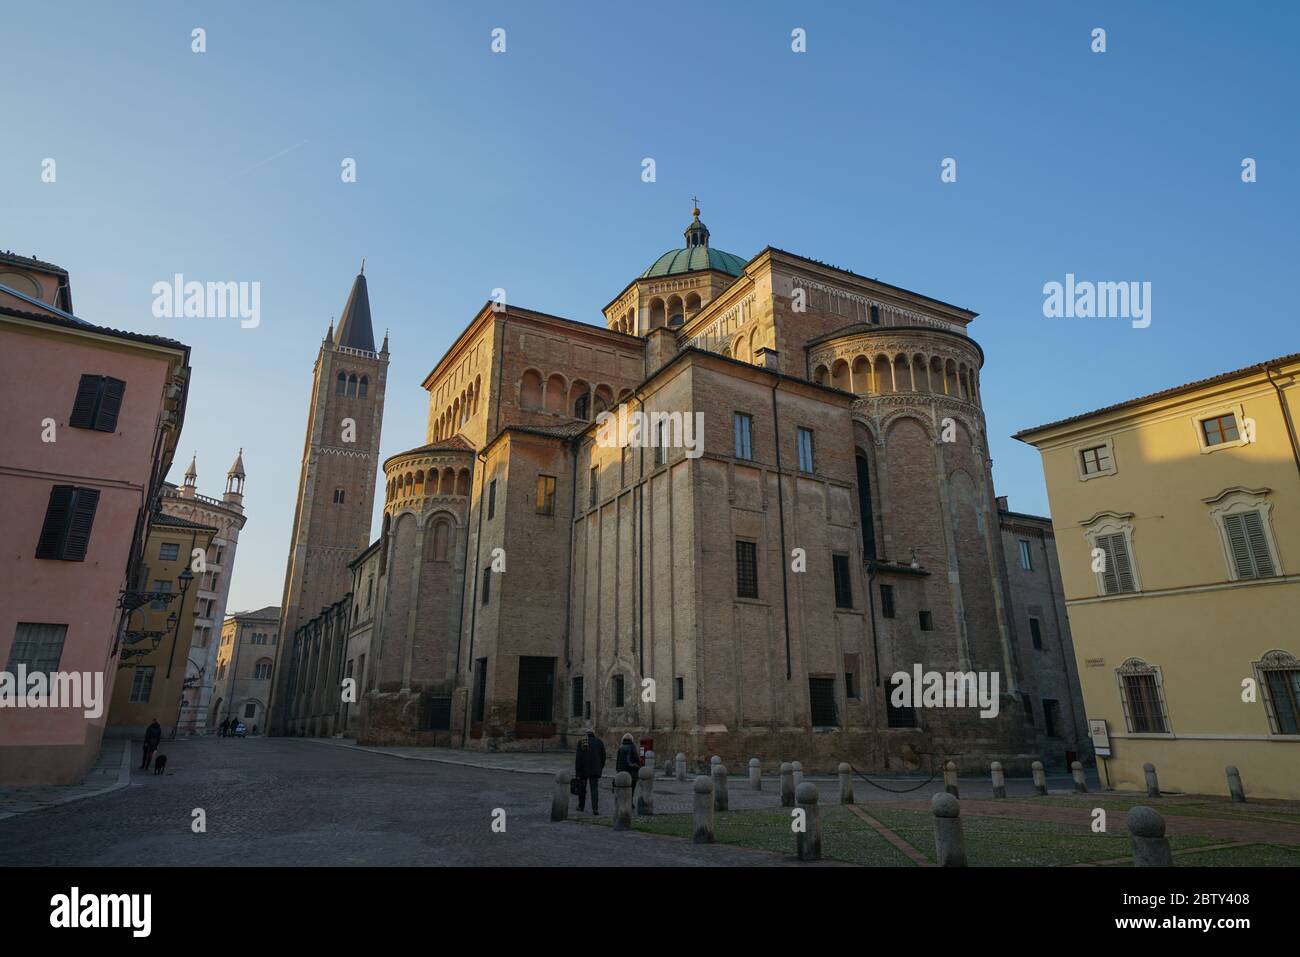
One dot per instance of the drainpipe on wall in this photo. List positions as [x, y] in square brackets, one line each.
[780, 504]
[1286, 417]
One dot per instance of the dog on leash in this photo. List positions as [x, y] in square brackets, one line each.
[159, 763]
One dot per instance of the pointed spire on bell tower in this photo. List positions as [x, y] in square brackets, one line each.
[235, 481]
[383, 350]
[190, 481]
[354, 329]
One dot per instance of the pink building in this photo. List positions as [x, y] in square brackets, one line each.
[93, 416]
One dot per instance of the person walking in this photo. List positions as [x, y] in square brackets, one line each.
[152, 738]
[221, 728]
[588, 765]
[629, 759]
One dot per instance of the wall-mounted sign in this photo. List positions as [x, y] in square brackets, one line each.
[1094, 662]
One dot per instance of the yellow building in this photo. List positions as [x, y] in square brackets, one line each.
[1177, 519]
[157, 638]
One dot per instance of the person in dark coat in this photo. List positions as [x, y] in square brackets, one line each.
[588, 765]
[221, 728]
[629, 759]
[152, 737]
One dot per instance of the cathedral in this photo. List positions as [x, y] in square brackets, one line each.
[808, 511]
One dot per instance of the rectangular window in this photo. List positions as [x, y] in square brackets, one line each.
[168, 551]
[1026, 556]
[575, 700]
[1117, 569]
[1036, 633]
[886, 601]
[1145, 711]
[618, 691]
[262, 671]
[1051, 718]
[1246, 538]
[37, 646]
[746, 570]
[546, 495]
[98, 401]
[1095, 459]
[926, 620]
[492, 499]
[1220, 429]
[843, 584]
[742, 428]
[805, 450]
[160, 604]
[338, 496]
[679, 688]
[1028, 702]
[875, 315]
[661, 447]
[595, 486]
[142, 684]
[1283, 694]
[69, 517]
[487, 584]
[852, 689]
[535, 699]
[250, 709]
[821, 694]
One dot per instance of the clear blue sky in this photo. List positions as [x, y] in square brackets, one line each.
[522, 170]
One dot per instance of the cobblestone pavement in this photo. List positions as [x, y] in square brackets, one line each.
[277, 801]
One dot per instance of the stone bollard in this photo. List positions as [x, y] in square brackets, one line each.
[798, 773]
[755, 774]
[999, 780]
[719, 787]
[846, 783]
[1235, 788]
[949, 841]
[622, 801]
[645, 794]
[808, 842]
[681, 766]
[950, 778]
[714, 760]
[560, 802]
[787, 784]
[1040, 778]
[1146, 831]
[1153, 782]
[703, 811]
[1080, 782]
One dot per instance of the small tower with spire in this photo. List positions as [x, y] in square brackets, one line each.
[189, 484]
[234, 494]
[697, 234]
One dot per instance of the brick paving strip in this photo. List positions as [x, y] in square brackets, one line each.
[1238, 832]
[1185, 850]
[917, 857]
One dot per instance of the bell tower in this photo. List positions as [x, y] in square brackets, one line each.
[336, 488]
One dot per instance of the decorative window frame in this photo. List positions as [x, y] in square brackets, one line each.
[1234, 409]
[1139, 666]
[1233, 501]
[1276, 660]
[1077, 452]
[1109, 523]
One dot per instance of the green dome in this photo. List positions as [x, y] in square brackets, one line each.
[677, 261]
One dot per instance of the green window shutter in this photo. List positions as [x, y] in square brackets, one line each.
[1109, 578]
[83, 406]
[1253, 527]
[1239, 545]
[110, 404]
